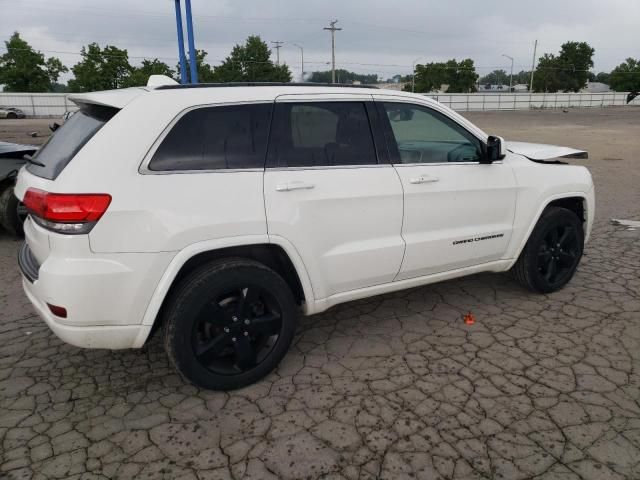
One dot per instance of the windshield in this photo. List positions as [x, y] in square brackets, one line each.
[67, 140]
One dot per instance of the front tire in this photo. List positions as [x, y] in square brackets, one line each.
[229, 324]
[552, 253]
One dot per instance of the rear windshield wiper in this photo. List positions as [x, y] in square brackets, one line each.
[29, 159]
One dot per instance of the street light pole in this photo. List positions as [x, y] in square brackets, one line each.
[510, 76]
[301, 60]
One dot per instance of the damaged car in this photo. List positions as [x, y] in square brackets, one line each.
[217, 214]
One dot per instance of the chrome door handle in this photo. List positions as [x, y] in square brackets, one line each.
[288, 186]
[423, 179]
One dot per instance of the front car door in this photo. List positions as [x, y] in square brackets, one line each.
[327, 193]
[458, 212]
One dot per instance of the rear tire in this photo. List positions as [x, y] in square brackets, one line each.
[229, 324]
[552, 253]
[12, 115]
[12, 212]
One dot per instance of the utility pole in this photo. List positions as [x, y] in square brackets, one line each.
[533, 65]
[278, 46]
[511, 75]
[301, 60]
[333, 29]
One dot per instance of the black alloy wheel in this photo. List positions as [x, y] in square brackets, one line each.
[552, 253]
[236, 331]
[558, 253]
[229, 323]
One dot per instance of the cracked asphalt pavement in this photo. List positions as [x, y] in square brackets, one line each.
[395, 386]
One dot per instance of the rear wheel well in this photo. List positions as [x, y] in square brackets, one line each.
[272, 256]
[575, 204]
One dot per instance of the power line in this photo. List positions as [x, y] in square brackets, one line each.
[314, 62]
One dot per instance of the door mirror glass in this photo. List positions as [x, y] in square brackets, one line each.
[496, 149]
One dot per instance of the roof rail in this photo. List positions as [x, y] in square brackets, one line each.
[259, 84]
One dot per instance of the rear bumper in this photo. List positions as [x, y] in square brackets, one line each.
[111, 337]
[105, 295]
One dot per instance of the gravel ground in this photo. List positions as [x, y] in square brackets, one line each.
[396, 386]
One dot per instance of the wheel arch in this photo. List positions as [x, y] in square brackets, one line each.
[276, 254]
[577, 202]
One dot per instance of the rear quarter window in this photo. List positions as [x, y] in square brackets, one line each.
[216, 138]
[69, 139]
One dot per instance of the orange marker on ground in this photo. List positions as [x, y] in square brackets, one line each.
[469, 319]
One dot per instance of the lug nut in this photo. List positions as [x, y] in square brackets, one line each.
[235, 319]
[233, 339]
[246, 321]
[226, 329]
[246, 334]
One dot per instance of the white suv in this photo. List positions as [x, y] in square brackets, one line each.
[220, 212]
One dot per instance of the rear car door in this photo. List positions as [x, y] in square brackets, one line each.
[458, 212]
[330, 191]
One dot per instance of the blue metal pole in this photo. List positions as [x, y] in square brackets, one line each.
[183, 66]
[192, 48]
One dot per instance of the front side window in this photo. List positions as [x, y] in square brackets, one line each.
[318, 134]
[216, 138]
[423, 135]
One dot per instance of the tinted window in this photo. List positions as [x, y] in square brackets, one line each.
[423, 135]
[67, 140]
[215, 138]
[321, 134]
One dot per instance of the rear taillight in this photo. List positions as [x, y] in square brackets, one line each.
[72, 213]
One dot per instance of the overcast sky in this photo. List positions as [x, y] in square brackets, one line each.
[378, 36]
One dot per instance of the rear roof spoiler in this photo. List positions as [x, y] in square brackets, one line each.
[108, 98]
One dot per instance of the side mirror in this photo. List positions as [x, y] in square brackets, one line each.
[496, 149]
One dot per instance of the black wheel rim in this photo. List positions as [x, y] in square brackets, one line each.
[558, 254]
[21, 211]
[237, 330]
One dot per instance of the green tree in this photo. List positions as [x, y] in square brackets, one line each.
[522, 77]
[603, 77]
[22, 69]
[626, 76]
[139, 76]
[460, 76]
[251, 62]
[497, 77]
[343, 76]
[568, 71]
[100, 69]
[205, 72]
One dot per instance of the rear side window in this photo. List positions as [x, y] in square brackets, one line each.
[67, 140]
[215, 138]
[318, 134]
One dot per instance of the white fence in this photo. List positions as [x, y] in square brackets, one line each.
[56, 104]
[38, 104]
[525, 101]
